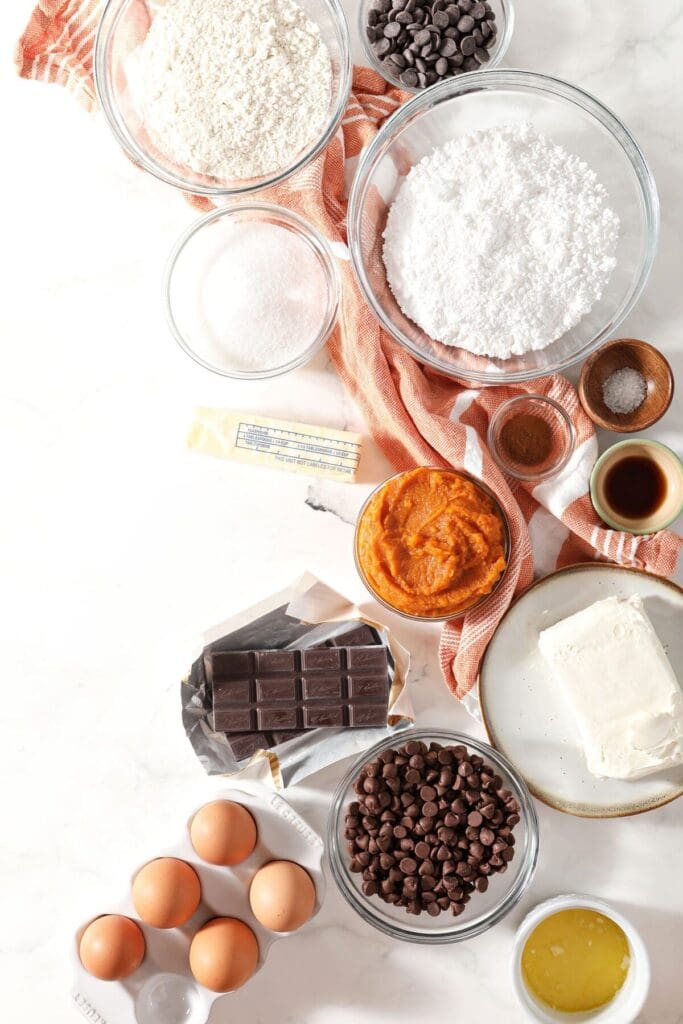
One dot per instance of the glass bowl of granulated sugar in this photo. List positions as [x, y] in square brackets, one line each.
[222, 97]
[502, 224]
[251, 291]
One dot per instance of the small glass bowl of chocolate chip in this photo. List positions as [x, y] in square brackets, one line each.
[432, 836]
[417, 43]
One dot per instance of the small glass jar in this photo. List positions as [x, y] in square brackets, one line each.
[561, 442]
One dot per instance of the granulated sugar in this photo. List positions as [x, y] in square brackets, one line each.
[500, 241]
[232, 89]
[249, 296]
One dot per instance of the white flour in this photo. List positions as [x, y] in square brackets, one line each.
[229, 88]
[499, 242]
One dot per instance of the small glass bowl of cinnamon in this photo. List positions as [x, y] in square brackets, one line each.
[531, 437]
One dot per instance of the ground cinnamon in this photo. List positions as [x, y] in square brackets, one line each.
[526, 439]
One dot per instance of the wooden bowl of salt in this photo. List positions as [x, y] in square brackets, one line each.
[626, 386]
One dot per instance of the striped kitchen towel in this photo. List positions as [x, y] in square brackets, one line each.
[416, 416]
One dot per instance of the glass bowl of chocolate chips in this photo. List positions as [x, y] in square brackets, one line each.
[417, 43]
[432, 836]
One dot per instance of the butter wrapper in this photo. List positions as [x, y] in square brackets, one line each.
[278, 444]
[306, 614]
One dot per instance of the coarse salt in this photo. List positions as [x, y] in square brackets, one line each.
[499, 241]
[624, 390]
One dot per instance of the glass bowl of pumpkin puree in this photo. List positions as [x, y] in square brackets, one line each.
[432, 543]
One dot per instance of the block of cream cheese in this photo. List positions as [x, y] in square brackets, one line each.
[621, 687]
[281, 444]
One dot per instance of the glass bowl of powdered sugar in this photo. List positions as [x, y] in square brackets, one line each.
[502, 224]
[221, 97]
[251, 291]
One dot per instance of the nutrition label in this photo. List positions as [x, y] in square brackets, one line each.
[315, 451]
[283, 444]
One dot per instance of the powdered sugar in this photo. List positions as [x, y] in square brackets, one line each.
[500, 241]
[232, 89]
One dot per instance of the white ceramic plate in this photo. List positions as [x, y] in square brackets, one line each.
[524, 710]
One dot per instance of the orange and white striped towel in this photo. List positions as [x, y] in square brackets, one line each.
[416, 416]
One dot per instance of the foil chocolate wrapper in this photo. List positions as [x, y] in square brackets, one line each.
[306, 614]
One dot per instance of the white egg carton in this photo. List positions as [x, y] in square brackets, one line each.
[162, 990]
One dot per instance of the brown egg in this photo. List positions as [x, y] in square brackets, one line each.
[282, 896]
[223, 832]
[166, 892]
[112, 947]
[223, 954]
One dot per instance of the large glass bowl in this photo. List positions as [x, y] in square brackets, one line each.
[483, 99]
[485, 909]
[122, 29]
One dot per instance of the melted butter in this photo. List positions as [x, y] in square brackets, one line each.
[575, 960]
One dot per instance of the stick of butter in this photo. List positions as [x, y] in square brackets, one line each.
[621, 687]
[280, 444]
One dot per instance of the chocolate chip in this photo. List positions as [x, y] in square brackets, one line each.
[448, 48]
[428, 847]
[419, 42]
[408, 865]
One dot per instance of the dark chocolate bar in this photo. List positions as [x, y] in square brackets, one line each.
[285, 690]
[244, 744]
[359, 636]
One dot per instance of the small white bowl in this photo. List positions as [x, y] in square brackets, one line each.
[628, 1001]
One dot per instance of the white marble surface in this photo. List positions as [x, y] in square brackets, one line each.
[116, 547]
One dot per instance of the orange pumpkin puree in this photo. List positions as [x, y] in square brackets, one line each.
[431, 543]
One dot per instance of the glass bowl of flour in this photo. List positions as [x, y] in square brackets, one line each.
[222, 97]
[251, 291]
[502, 225]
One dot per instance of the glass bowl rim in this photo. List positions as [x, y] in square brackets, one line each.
[106, 26]
[566, 421]
[507, 540]
[302, 229]
[534, 83]
[502, 46]
[363, 906]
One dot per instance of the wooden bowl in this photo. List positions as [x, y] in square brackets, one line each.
[616, 355]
